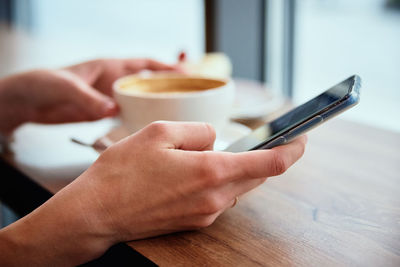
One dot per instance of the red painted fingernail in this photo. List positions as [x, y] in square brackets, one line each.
[182, 56]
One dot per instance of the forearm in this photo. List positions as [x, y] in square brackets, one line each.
[62, 232]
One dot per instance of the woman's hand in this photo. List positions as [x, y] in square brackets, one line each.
[160, 180]
[101, 73]
[165, 179]
[77, 93]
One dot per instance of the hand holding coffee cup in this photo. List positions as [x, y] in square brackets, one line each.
[172, 97]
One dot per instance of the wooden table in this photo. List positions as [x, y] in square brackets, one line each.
[339, 205]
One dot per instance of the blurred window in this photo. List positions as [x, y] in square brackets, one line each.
[51, 33]
[335, 39]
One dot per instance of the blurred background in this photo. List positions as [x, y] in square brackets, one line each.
[298, 48]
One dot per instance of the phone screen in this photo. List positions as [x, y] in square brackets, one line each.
[293, 118]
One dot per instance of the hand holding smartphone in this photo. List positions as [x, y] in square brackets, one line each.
[303, 118]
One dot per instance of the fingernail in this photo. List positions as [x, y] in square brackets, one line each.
[110, 108]
[182, 56]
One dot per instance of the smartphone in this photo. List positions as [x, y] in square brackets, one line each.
[303, 118]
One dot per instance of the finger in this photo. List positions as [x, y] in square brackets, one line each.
[212, 204]
[259, 163]
[94, 104]
[148, 64]
[88, 71]
[197, 136]
[229, 193]
[266, 163]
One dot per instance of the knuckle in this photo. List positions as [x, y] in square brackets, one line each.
[99, 61]
[40, 72]
[279, 163]
[158, 129]
[149, 60]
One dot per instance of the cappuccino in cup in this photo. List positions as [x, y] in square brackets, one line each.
[171, 85]
[171, 97]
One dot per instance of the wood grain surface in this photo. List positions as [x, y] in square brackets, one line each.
[338, 206]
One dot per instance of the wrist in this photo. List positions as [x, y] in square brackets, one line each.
[63, 231]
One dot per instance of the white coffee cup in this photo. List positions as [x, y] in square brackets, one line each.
[170, 97]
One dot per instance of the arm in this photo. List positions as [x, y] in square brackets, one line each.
[160, 180]
[55, 234]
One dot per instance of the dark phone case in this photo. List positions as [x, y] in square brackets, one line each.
[346, 103]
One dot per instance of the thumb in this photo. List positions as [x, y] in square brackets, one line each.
[99, 106]
[94, 104]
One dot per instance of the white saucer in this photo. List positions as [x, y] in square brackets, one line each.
[46, 151]
[254, 100]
